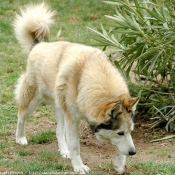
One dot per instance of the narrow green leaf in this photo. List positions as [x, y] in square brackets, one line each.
[152, 66]
[148, 53]
[155, 15]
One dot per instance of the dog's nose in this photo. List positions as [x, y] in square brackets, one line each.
[131, 153]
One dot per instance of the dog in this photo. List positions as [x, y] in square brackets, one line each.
[79, 81]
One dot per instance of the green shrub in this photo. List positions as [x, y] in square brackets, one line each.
[142, 33]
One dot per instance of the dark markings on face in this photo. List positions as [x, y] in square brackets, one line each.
[112, 124]
[114, 121]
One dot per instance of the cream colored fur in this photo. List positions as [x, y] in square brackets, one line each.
[33, 21]
[79, 82]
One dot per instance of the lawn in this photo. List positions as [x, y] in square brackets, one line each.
[41, 155]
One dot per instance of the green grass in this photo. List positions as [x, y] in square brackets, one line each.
[6, 144]
[147, 168]
[43, 162]
[106, 167]
[43, 137]
[23, 152]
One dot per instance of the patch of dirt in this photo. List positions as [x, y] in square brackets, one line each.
[97, 154]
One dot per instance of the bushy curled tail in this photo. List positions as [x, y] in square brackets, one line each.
[32, 25]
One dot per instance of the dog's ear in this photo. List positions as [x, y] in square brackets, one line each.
[115, 110]
[130, 103]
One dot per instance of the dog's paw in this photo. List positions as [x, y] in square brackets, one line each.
[82, 169]
[21, 140]
[65, 154]
[119, 169]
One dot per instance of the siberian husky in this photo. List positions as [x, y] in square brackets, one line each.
[79, 82]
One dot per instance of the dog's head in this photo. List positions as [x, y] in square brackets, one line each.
[118, 126]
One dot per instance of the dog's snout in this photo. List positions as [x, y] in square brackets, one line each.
[132, 152]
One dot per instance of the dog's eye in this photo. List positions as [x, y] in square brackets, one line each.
[121, 133]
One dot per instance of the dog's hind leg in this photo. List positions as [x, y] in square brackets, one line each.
[22, 115]
[61, 132]
[27, 98]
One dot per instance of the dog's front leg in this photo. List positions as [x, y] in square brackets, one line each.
[119, 162]
[72, 138]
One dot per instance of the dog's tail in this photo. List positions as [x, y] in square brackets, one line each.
[32, 25]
